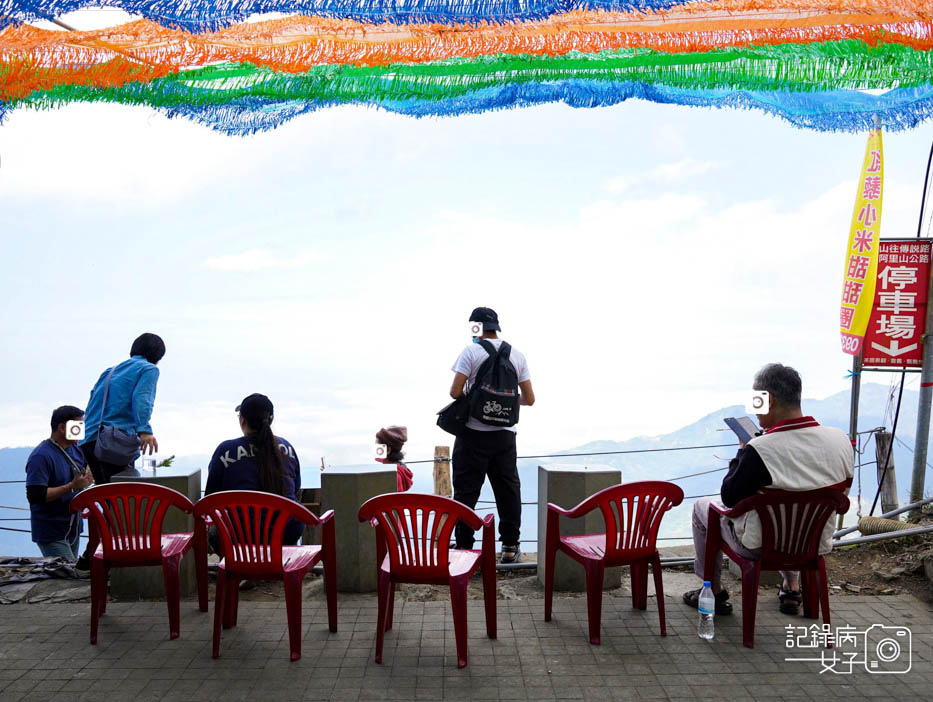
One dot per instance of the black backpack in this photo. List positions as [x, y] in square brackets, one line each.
[494, 398]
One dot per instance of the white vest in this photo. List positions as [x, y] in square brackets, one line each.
[800, 459]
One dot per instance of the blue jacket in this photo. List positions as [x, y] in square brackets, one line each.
[129, 400]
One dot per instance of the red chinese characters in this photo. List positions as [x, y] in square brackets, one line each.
[899, 312]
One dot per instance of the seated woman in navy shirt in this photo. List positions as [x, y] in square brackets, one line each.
[258, 460]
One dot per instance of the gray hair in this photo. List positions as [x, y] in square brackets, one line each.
[783, 382]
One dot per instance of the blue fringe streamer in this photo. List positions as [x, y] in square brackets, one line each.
[208, 15]
[830, 111]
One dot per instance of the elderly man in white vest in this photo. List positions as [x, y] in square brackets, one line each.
[793, 453]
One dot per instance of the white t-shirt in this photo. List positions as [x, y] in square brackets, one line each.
[468, 363]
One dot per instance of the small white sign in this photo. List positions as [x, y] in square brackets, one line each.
[74, 430]
[759, 402]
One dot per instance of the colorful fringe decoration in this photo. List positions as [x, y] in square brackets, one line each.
[810, 62]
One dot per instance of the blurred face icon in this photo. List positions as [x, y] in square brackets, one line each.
[759, 402]
[74, 430]
[476, 328]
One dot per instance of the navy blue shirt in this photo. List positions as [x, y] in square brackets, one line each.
[233, 467]
[47, 466]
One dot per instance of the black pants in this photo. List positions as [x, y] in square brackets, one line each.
[478, 454]
[101, 471]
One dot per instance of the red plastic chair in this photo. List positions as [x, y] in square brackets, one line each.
[632, 512]
[792, 526]
[413, 546]
[251, 526]
[126, 524]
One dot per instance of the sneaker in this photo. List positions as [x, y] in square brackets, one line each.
[790, 601]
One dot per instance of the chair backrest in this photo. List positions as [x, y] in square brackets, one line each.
[128, 517]
[416, 528]
[792, 522]
[251, 525]
[633, 513]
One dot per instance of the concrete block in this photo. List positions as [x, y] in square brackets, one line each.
[567, 486]
[344, 490]
[146, 581]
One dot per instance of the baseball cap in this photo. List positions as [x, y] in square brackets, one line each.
[254, 407]
[487, 316]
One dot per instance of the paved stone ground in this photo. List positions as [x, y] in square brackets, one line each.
[45, 654]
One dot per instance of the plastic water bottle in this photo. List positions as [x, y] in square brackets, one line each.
[707, 607]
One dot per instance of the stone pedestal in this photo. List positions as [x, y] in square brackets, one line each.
[146, 581]
[343, 490]
[567, 486]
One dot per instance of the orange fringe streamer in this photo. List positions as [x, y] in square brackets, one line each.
[33, 59]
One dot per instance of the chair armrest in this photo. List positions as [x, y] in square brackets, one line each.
[737, 510]
[588, 505]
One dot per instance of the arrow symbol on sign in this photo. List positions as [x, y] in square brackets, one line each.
[894, 349]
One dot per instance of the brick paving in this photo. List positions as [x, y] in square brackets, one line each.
[45, 654]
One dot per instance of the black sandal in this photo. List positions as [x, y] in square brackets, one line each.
[723, 605]
[510, 554]
[790, 601]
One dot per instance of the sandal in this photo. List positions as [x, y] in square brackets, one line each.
[723, 605]
[790, 601]
[510, 554]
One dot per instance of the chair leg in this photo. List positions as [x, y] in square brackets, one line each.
[489, 600]
[390, 607]
[330, 573]
[172, 594]
[293, 612]
[220, 602]
[639, 576]
[751, 573]
[810, 594]
[823, 586]
[103, 591]
[659, 591]
[232, 591]
[98, 594]
[549, 565]
[458, 601]
[200, 568]
[385, 583]
[594, 597]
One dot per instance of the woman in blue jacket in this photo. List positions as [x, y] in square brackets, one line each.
[130, 398]
[258, 460]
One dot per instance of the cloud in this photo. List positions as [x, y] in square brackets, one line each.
[663, 173]
[681, 170]
[260, 260]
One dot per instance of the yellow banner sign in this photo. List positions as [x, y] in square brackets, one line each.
[858, 286]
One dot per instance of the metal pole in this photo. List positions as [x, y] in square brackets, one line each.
[853, 410]
[922, 435]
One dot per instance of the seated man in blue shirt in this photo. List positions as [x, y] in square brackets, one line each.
[55, 472]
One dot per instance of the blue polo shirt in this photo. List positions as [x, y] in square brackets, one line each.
[233, 467]
[48, 467]
[129, 399]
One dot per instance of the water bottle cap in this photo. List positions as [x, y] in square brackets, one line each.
[707, 583]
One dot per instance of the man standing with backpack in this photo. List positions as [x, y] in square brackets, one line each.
[495, 378]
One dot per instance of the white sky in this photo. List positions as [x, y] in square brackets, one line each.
[647, 259]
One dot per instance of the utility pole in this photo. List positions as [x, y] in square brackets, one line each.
[923, 406]
[922, 436]
[853, 411]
